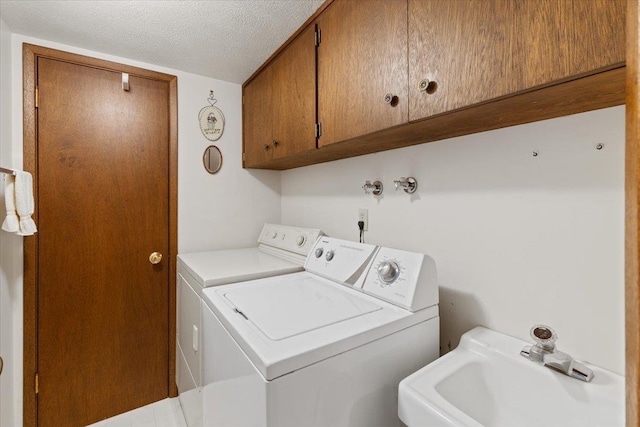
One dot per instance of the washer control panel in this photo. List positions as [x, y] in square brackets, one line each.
[293, 239]
[406, 279]
[340, 260]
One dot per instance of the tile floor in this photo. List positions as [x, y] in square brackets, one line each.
[164, 413]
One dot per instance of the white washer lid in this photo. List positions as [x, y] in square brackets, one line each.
[312, 303]
[221, 267]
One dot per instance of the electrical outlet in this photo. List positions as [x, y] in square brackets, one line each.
[363, 215]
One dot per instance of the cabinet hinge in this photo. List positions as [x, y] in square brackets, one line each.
[243, 157]
[318, 130]
[318, 36]
[37, 97]
[37, 385]
[242, 99]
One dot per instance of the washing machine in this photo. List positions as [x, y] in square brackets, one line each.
[281, 249]
[326, 347]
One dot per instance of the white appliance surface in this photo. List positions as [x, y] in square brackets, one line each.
[281, 250]
[312, 302]
[233, 265]
[356, 388]
[304, 340]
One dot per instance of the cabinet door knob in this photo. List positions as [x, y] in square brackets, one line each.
[266, 147]
[275, 143]
[428, 86]
[388, 98]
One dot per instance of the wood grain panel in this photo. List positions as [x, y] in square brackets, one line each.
[103, 192]
[540, 43]
[34, 248]
[463, 47]
[632, 225]
[362, 57]
[589, 93]
[598, 37]
[257, 119]
[293, 79]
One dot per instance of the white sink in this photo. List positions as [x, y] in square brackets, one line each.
[485, 382]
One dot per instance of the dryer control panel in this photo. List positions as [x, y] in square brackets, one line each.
[298, 240]
[406, 279]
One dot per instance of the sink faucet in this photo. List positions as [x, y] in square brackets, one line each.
[544, 352]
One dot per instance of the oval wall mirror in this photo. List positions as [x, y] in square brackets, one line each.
[212, 159]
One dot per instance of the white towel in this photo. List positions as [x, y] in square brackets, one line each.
[10, 223]
[24, 203]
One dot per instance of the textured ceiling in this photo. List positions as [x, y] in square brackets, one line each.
[223, 39]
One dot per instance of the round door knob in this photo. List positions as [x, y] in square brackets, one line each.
[428, 86]
[388, 271]
[155, 258]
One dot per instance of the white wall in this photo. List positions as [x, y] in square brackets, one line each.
[214, 211]
[517, 239]
[8, 259]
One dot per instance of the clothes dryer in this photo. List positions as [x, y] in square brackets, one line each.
[281, 249]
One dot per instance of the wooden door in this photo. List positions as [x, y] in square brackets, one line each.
[103, 208]
[460, 50]
[293, 77]
[257, 120]
[362, 57]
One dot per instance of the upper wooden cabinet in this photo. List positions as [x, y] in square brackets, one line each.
[463, 53]
[598, 35]
[458, 54]
[279, 105]
[362, 68]
[393, 73]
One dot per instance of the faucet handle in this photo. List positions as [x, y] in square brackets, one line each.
[544, 336]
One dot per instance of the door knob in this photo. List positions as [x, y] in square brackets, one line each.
[155, 258]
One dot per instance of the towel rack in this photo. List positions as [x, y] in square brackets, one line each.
[7, 171]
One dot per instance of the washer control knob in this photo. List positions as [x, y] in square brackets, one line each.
[330, 255]
[319, 252]
[388, 271]
[274, 234]
[301, 239]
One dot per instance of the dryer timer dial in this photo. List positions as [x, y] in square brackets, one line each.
[388, 271]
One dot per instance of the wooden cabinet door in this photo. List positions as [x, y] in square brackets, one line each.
[362, 57]
[461, 49]
[257, 119]
[540, 43]
[598, 35]
[293, 80]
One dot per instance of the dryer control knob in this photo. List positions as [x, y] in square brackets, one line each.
[330, 255]
[388, 271]
[274, 234]
[319, 252]
[301, 239]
